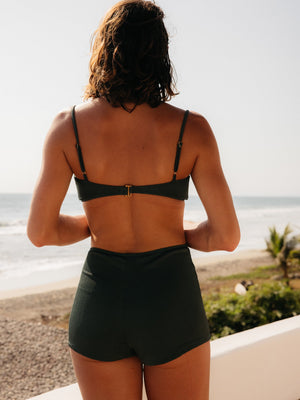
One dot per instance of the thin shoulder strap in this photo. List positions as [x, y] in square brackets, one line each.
[78, 148]
[179, 145]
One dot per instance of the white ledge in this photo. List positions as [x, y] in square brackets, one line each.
[258, 364]
[253, 336]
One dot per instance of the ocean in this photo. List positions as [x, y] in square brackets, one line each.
[23, 265]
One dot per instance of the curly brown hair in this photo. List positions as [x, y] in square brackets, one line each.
[130, 60]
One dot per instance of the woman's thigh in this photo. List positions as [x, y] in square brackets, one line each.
[108, 380]
[186, 377]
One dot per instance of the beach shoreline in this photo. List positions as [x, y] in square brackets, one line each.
[50, 303]
[37, 289]
[205, 265]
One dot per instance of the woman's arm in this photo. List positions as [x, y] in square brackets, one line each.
[221, 229]
[46, 226]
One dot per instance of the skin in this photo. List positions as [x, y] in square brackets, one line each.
[138, 148]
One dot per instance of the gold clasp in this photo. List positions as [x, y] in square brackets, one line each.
[129, 194]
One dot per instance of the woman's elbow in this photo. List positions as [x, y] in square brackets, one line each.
[230, 246]
[35, 238]
[231, 240]
[37, 243]
[38, 237]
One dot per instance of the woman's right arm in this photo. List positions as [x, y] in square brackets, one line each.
[46, 225]
[221, 229]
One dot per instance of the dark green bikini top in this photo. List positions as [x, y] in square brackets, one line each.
[176, 188]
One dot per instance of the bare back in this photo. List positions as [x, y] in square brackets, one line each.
[137, 148]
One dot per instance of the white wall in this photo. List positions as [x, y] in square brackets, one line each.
[259, 364]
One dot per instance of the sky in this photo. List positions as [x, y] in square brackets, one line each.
[237, 63]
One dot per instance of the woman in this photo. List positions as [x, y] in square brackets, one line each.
[138, 306]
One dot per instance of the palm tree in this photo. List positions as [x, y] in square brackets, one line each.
[277, 241]
[285, 250]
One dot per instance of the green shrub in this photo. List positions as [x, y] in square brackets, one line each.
[230, 313]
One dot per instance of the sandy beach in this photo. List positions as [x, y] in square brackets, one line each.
[34, 352]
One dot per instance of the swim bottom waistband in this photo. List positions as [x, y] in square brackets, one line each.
[160, 250]
[145, 304]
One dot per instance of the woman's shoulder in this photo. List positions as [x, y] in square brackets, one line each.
[200, 130]
[61, 129]
[63, 119]
[195, 117]
[197, 125]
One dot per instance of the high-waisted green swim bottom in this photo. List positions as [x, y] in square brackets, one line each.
[146, 304]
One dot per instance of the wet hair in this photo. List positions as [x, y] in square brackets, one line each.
[130, 60]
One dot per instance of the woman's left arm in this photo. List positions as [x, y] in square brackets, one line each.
[46, 226]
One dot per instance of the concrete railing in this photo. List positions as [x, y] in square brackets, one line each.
[258, 364]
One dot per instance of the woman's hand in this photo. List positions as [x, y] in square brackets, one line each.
[221, 229]
[46, 226]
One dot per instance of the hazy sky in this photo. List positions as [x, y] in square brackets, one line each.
[237, 63]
